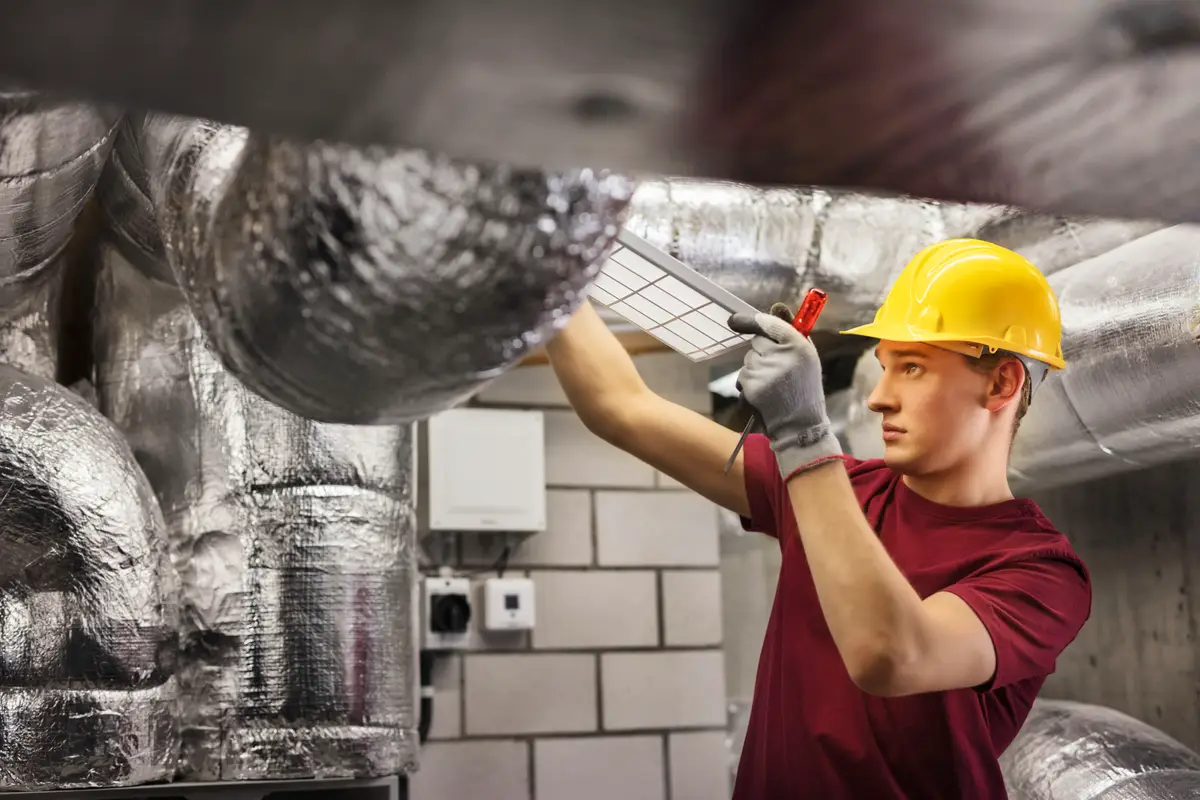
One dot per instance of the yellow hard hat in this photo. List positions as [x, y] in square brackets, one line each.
[974, 292]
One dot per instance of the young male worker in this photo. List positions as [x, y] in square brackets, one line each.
[920, 606]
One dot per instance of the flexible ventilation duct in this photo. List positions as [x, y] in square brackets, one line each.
[51, 155]
[294, 541]
[1074, 751]
[365, 285]
[1130, 396]
[769, 245]
[87, 600]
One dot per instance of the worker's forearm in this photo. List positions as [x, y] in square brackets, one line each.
[872, 610]
[593, 369]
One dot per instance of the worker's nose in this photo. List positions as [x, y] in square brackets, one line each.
[882, 398]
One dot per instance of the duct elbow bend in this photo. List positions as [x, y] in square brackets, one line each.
[370, 285]
[88, 607]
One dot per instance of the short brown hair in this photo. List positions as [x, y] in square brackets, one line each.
[989, 361]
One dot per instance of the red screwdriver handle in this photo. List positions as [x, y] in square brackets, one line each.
[810, 309]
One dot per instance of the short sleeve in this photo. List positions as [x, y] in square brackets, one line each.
[765, 489]
[764, 485]
[1032, 608]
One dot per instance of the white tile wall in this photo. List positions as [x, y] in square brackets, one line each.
[671, 376]
[665, 481]
[566, 542]
[576, 457]
[700, 766]
[666, 689]
[529, 693]
[598, 609]
[447, 702]
[496, 770]
[629, 768]
[664, 528]
[628, 557]
[692, 608]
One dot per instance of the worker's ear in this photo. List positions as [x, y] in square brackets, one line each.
[1005, 384]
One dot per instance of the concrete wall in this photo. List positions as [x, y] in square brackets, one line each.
[620, 689]
[1139, 535]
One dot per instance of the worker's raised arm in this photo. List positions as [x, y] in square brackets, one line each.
[603, 386]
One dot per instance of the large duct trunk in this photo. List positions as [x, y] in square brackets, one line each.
[363, 285]
[87, 600]
[51, 155]
[772, 245]
[295, 544]
[1074, 751]
[1130, 396]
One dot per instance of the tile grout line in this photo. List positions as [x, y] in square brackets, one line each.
[594, 525]
[462, 695]
[599, 696]
[666, 754]
[660, 590]
[529, 744]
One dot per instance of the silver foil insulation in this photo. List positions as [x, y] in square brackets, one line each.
[363, 285]
[1130, 396]
[294, 541]
[1075, 751]
[88, 609]
[773, 245]
[51, 155]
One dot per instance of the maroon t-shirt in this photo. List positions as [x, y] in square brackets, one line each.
[814, 734]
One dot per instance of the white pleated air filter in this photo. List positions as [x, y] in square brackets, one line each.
[667, 299]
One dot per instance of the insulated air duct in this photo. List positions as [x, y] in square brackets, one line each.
[1074, 751]
[1130, 396]
[772, 245]
[51, 155]
[87, 600]
[364, 285]
[295, 545]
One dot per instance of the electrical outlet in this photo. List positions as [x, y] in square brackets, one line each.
[447, 607]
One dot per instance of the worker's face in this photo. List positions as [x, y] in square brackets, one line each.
[935, 407]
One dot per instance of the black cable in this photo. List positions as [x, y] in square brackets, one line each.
[425, 720]
[498, 566]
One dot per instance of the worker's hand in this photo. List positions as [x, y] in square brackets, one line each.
[781, 378]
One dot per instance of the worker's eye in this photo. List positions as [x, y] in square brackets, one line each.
[911, 369]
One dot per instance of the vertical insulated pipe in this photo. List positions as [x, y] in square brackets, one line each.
[88, 609]
[51, 155]
[295, 544]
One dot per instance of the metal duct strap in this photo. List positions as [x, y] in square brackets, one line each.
[87, 600]
[1074, 751]
[366, 285]
[294, 542]
[51, 155]
[769, 245]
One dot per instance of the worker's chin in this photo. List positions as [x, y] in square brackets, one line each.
[900, 459]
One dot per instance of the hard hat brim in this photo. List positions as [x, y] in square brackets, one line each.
[905, 333]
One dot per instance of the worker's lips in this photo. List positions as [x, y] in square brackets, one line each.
[892, 432]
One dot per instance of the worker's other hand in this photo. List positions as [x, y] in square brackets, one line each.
[781, 378]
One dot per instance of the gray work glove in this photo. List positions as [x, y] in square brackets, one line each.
[781, 378]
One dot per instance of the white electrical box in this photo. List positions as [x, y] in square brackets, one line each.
[508, 604]
[486, 470]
